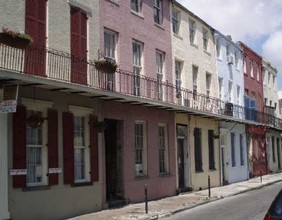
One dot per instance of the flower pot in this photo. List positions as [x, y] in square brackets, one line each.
[14, 41]
[106, 65]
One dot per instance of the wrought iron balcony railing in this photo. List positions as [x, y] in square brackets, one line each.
[64, 67]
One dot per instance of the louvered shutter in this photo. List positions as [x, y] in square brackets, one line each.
[78, 46]
[94, 153]
[19, 145]
[53, 144]
[68, 135]
[35, 26]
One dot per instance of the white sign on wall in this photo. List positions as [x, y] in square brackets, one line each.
[17, 172]
[8, 98]
[8, 106]
[54, 170]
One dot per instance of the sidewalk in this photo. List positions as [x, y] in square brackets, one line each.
[171, 205]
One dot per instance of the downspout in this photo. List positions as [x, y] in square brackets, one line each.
[219, 153]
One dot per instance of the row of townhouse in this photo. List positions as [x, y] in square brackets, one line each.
[185, 103]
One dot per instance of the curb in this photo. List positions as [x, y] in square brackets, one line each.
[212, 200]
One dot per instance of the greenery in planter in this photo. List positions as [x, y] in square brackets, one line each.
[15, 39]
[106, 64]
[35, 120]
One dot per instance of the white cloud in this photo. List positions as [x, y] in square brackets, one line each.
[272, 49]
[244, 20]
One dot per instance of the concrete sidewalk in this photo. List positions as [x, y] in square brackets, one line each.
[171, 205]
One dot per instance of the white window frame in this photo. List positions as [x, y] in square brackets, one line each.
[175, 21]
[236, 60]
[160, 56]
[143, 165]
[163, 149]
[251, 69]
[41, 106]
[178, 70]
[230, 91]
[257, 72]
[218, 49]
[136, 5]
[245, 66]
[137, 65]
[158, 13]
[85, 113]
[208, 84]
[238, 95]
[112, 46]
[192, 31]
[220, 87]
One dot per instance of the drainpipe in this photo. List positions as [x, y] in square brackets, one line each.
[219, 153]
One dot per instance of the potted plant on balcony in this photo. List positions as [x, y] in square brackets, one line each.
[15, 39]
[35, 120]
[106, 65]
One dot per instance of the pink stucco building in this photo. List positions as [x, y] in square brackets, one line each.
[139, 140]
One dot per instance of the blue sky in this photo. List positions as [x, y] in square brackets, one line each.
[258, 23]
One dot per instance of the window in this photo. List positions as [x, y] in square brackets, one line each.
[218, 48]
[251, 69]
[205, 39]
[178, 76]
[175, 21]
[233, 156]
[163, 149]
[238, 95]
[242, 159]
[158, 17]
[269, 79]
[273, 148]
[81, 151]
[140, 149]
[110, 44]
[274, 82]
[137, 65]
[136, 5]
[220, 87]
[36, 152]
[230, 91]
[208, 84]
[227, 51]
[211, 150]
[198, 149]
[110, 39]
[245, 67]
[236, 60]
[257, 72]
[159, 65]
[264, 76]
[195, 81]
[192, 29]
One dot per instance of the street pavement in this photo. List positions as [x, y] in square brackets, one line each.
[251, 205]
[171, 205]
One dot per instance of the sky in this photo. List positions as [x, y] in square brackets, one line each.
[257, 23]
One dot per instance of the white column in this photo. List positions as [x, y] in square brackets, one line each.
[4, 212]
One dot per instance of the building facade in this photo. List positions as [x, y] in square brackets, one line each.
[196, 84]
[271, 109]
[254, 106]
[229, 60]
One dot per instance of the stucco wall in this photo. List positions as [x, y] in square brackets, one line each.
[60, 201]
[158, 186]
[238, 172]
[198, 180]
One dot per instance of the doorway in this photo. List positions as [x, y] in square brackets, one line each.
[278, 153]
[180, 160]
[114, 162]
[224, 158]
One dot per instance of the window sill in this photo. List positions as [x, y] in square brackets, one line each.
[178, 36]
[141, 177]
[159, 26]
[212, 170]
[199, 171]
[36, 188]
[194, 45]
[114, 2]
[206, 52]
[164, 175]
[82, 184]
[138, 14]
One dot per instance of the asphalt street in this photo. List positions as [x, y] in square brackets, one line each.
[251, 205]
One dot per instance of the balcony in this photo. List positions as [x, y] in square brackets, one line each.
[48, 65]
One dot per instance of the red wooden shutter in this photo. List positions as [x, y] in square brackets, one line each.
[78, 46]
[53, 144]
[68, 129]
[35, 25]
[94, 150]
[19, 145]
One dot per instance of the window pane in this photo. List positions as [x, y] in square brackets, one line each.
[34, 164]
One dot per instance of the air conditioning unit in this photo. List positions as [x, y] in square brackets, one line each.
[230, 59]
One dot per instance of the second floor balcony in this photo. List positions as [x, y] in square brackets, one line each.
[49, 64]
